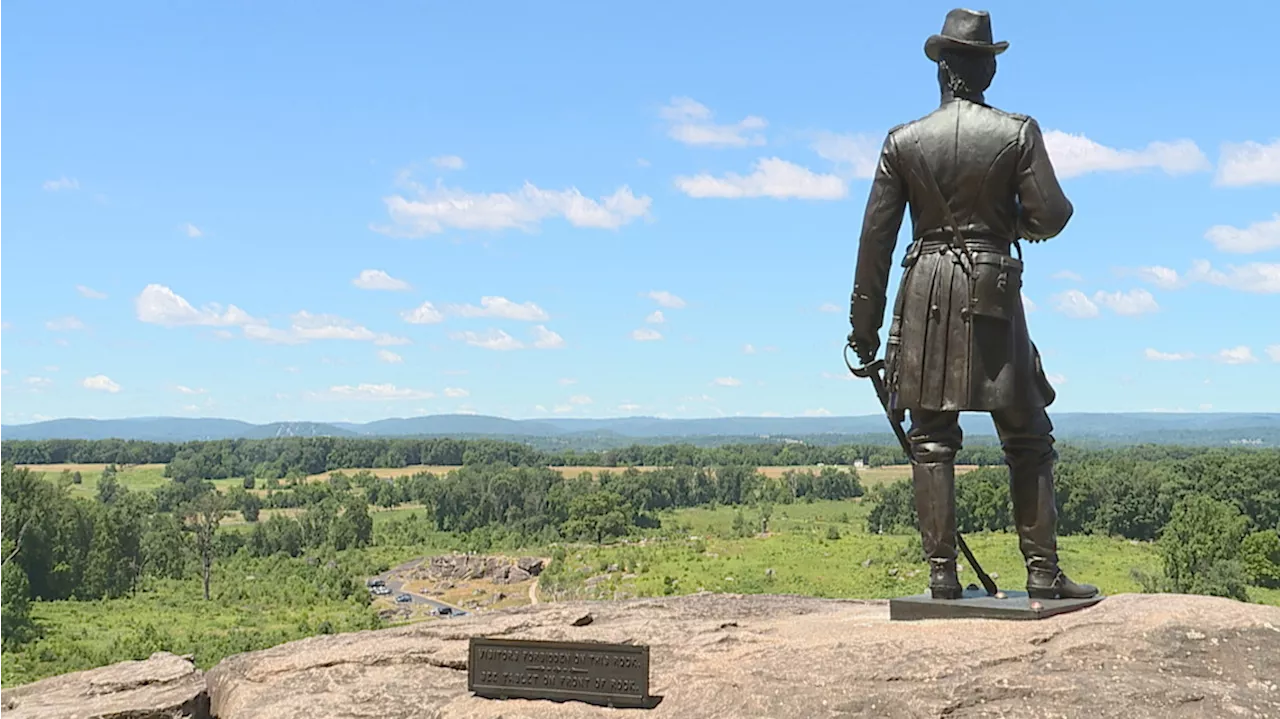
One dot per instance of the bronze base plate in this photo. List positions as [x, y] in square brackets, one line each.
[977, 604]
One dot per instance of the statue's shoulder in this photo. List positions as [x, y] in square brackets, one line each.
[1016, 118]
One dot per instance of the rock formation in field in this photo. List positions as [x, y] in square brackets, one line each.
[737, 656]
[500, 570]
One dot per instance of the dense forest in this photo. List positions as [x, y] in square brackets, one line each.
[1215, 513]
[302, 456]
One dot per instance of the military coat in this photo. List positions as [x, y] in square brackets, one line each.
[993, 172]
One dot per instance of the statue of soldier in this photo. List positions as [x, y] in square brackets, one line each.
[977, 180]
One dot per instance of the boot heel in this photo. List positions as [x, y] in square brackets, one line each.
[946, 592]
[1042, 593]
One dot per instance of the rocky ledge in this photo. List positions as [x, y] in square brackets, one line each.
[736, 656]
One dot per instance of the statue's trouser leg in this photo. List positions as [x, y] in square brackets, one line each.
[935, 437]
[1027, 439]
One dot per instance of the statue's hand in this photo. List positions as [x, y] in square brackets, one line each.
[864, 347]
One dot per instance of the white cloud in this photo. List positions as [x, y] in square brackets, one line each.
[424, 314]
[62, 183]
[820, 412]
[666, 299]
[455, 392]
[771, 177]
[1249, 163]
[1132, 303]
[1258, 237]
[855, 156]
[100, 383]
[1273, 351]
[580, 399]
[562, 408]
[1056, 378]
[842, 376]
[1260, 277]
[378, 280]
[90, 293]
[645, 334]
[1074, 303]
[655, 318]
[503, 308]
[389, 357]
[159, 305]
[567, 381]
[1158, 356]
[188, 390]
[435, 210]
[376, 392]
[1162, 277]
[629, 407]
[748, 349]
[1067, 275]
[726, 382]
[64, 324]
[448, 162]
[307, 326]
[1075, 155]
[545, 339]
[691, 124]
[192, 230]
[641, 162]
[1027, 304]
[38, 383]
[1236, 355]
[828, 307]
[490, 340]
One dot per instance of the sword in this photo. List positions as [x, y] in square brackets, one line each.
[872, 371]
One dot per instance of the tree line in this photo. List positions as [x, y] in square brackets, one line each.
[301, 456]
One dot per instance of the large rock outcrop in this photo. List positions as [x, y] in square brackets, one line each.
[775, 656]
[740, 657]
[165, 686]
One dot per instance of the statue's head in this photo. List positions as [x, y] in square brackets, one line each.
[966, 73]
[964, 51]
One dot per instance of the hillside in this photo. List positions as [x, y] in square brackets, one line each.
[1257, 429]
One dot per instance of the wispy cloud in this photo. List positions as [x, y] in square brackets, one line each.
[545, 339]
[726, 382]
[1249, 163]
[1158, 356]
[100, 383]
[448, 162]
[1075, 155]
[183, 389]
[666, 299]
[501, 307]
[192, 230]
[655, 318]
[828, 307]
[157, 304]
[389, 357]
[90, 293]
[424, 314]
[373, 392]
[644, 334]
[379, 280]
[770, 177]
[855, 156]
[690, 122]
[1074, 303]
[64, 324]
[455, 392]
[1236, 355]
[1067, 275]
[61, 184]
[1257, 237]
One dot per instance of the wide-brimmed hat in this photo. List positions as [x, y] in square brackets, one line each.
[964, 30]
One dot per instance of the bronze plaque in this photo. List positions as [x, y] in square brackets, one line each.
[596, 673]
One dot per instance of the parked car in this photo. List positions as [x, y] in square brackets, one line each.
[375, 582]
[382, 590]
[404, 598]
[444, 611]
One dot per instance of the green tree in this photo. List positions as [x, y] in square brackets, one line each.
[108, 485]
[1201, 547]
[15, 599]
[202, 516]
[1260, 554]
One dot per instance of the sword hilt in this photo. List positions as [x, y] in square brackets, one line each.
[867, 370]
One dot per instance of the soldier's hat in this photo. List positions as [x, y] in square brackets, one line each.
[964, 30]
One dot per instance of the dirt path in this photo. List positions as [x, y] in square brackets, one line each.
[533, 591]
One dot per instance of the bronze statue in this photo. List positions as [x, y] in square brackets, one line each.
[977, 180]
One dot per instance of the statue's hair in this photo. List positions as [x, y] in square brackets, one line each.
[966, 72]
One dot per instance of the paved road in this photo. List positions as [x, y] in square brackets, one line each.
[397, 587]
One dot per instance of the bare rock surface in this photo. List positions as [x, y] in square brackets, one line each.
[165, 686]
[739, 657]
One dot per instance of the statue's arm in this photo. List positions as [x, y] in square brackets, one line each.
[880, 226]
[1045, 208]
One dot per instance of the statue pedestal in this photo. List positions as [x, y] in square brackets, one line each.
[976, 604]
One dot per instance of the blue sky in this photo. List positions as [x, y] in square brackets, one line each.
[273, 211]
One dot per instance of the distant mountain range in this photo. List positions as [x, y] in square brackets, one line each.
[1219, 428]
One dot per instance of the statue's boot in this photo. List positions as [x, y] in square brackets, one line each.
[935, 491]
[1036, 516]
